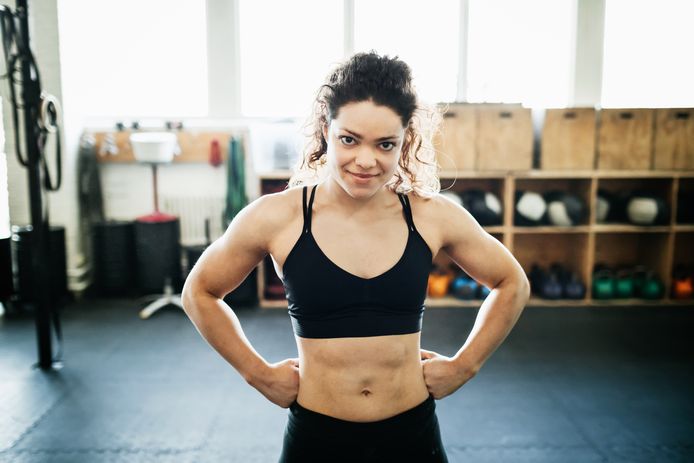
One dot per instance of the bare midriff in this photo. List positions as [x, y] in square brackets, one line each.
[361, 379]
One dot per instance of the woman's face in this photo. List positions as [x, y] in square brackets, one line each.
[363, 139]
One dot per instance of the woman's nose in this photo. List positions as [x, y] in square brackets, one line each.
[365, 158]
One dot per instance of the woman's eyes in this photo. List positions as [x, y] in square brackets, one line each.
[347, 140]
[345, 137]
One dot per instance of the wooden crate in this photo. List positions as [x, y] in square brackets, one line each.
[568, 139]
[455, 144]
[674, 139]
[625, 139]
[504, 138]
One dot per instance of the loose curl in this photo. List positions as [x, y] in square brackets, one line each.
[387, 82]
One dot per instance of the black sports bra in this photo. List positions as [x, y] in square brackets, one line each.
[326, 301]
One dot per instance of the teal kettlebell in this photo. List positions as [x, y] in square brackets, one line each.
[603, 284]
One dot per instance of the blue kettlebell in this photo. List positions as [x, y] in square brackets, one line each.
[464, 287]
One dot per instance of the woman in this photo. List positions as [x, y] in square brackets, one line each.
[361, 388]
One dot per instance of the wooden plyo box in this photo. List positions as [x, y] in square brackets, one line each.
[625, 139]
[455, 144]
[504, 138]
[568, 139]
[674, 139]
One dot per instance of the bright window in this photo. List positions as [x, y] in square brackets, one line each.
[648, 54]
[423, 34]
[287, 49]
[521, 52]
[134, 58]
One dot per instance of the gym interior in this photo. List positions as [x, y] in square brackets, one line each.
[134, 132]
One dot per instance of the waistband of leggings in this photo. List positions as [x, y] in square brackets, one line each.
[412, 416]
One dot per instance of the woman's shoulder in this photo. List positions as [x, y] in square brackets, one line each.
[281, 204]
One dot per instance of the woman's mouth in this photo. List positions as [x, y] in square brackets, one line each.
[362, 175]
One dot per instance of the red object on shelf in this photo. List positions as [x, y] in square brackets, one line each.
[215, 153]
[156, 217]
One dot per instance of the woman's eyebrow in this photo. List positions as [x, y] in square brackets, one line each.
[356, 135]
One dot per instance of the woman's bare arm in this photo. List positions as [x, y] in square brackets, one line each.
[489, 262]
[222, 268]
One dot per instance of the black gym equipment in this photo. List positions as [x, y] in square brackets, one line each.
[484, 206]
[23, 249]
[6, 285]
[40, 113]
[565, 209]
[114, 257]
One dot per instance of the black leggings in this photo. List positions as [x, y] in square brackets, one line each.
[412, 435]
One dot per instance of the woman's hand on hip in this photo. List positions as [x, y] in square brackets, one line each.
[280, 383]
[442, 375]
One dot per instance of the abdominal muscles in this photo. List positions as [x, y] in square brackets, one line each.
[361, 379]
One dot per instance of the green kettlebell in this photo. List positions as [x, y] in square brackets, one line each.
[652, 288]
[624, 285]
[639, 275]
[603, 284]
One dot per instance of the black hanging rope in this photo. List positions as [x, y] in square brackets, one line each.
[41, 117]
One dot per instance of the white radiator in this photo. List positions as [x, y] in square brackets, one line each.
[192, 211]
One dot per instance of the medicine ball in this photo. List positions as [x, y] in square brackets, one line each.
[484, 206]
[564, 209]
[647, 209]
[530, 208]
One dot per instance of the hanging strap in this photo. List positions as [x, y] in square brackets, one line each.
[408, 212]
[308, 209]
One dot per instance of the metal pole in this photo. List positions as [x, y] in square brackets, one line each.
[39, 218]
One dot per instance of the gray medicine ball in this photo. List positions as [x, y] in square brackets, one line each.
[647, 209]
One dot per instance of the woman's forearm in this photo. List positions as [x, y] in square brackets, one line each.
[497, 316]
[219, 325]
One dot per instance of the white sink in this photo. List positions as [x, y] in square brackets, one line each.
[154, 147]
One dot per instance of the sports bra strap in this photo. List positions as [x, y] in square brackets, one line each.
[308, 209]
[408, 211]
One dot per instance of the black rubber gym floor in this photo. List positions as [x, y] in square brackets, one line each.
[568, 385]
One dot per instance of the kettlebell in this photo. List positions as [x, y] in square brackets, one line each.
[624, 284]
[574, 288]
[681, 283]
[438, 283]
[464, 287]
[536, 277]
[682, 288]
[603, 284]
[552, 289]
[639, 275]
[652, 288]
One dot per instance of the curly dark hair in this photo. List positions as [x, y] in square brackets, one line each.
[387, 82]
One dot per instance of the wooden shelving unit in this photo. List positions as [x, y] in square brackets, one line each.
[579, 247]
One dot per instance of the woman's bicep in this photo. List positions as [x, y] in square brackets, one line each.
[471, 247]
[226, 263]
